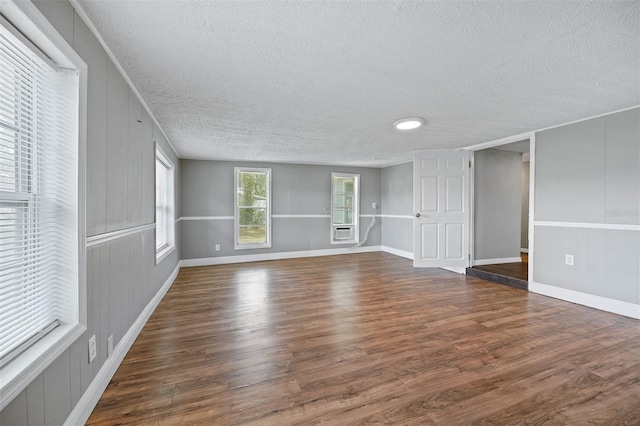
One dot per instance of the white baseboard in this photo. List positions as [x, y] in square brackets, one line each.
[397, 252]
[524, 250]
[498, 261]
[87, 403]
[598, 302]
[223, 260]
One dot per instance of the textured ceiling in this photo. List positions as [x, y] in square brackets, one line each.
[322, 82]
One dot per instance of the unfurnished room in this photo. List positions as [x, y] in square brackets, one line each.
[319, 212]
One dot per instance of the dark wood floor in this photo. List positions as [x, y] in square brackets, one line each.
[518, 270]
[367, 339]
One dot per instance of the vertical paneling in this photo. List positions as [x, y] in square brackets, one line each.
[622, 170]
[15, 414]
[570, 170]
[117, 148]
[60, 15]
[134, 175]
[590, 172]
[57, 391]
[35, 401]
[133, 281]
[397, 199]
[126, 293]
[115, 291]
[90, 50]
[75, 361]
[103, 262]
[95, 303]
[148, 170]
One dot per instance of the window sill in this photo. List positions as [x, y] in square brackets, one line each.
[17, 374]
[251, 246]
[344, 242]
[164, 252]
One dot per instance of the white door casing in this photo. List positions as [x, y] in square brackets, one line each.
[441, 209]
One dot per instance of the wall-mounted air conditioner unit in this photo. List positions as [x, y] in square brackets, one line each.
[343, 233]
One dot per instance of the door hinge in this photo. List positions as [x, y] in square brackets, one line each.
[469, 257]
[469, 163]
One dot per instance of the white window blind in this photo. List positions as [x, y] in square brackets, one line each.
[38, 195]
[164, 205]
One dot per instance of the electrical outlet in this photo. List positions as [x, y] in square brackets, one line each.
[568, 259]
[217, 247]
[92, 349]
[109, 345]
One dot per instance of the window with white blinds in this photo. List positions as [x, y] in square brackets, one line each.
[164, 205]
[38, 195]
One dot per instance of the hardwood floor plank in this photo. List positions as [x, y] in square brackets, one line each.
[375, 341]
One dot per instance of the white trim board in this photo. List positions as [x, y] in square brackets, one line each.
[95, 240]
[91, 396]
[224, 260]
[498, 261]
[615, 226]
[185, 218]
[397, 252]
[598, 302]
[301, 216]
[461, 271]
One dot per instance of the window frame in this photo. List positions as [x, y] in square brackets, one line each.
[169, 227]
[356, 209]
[35, 31]
[236, 209]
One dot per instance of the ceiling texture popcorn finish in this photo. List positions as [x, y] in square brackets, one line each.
[323, 82]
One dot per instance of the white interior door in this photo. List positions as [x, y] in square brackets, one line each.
[441, 209]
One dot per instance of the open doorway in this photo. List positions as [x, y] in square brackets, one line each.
[501, 214]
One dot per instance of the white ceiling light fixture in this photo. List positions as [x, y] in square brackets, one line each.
[408, 123]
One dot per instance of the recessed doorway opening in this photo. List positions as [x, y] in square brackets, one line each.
[501, 214]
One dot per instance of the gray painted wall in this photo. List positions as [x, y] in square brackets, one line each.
[524, 210]
[397, 199]
[207, 190]
[497, 199]
[589, 172]
[121, 274]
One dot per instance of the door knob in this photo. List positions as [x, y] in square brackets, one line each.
[417, 214]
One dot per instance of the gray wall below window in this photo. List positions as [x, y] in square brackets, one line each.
[589, 172]
[397, 200]
[497, 204]
[207, 191]
[121, 274]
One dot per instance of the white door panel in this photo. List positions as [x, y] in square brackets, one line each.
[441, 204]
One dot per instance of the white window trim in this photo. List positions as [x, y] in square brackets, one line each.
[166, 250]
[236, 229]
[21, 371]
[356, 210]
